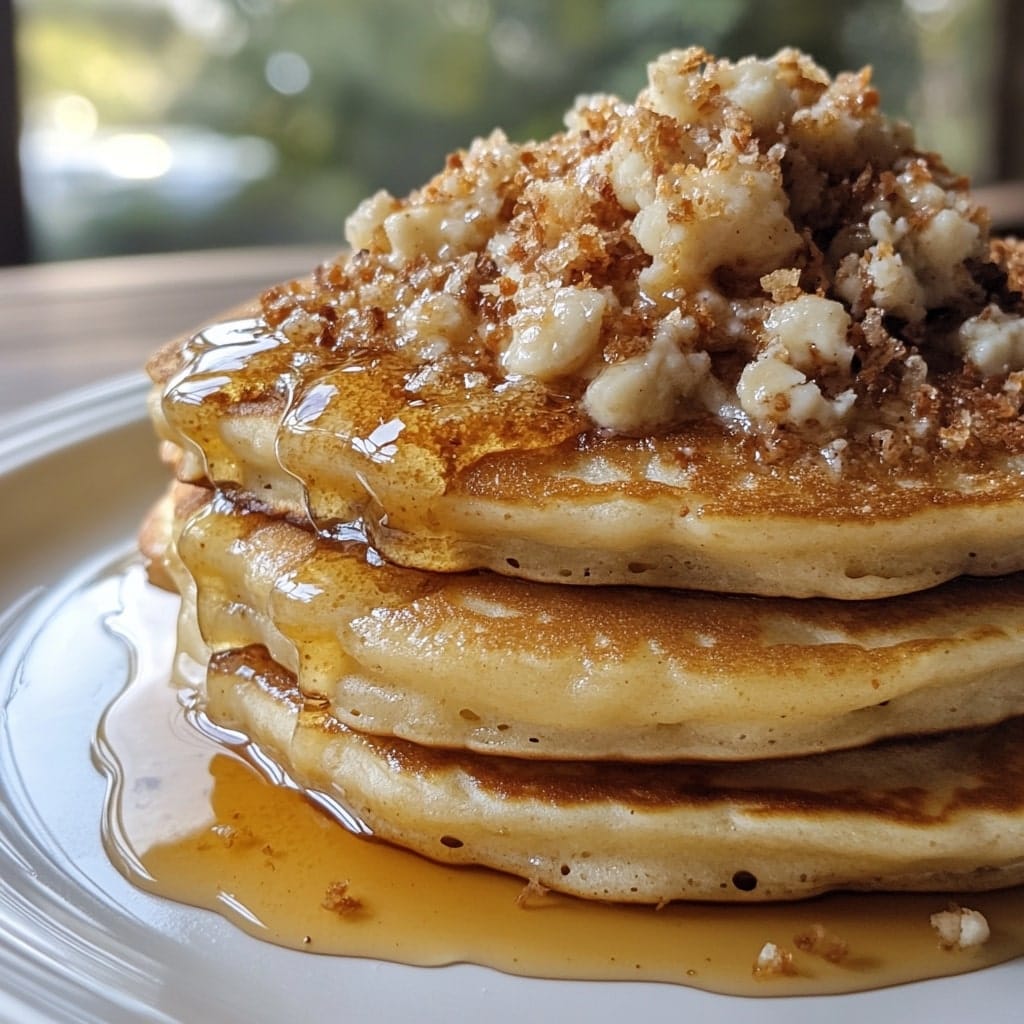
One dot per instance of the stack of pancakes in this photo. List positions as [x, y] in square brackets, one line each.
[462, 548]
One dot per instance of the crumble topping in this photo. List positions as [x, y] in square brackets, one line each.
[960, 927]
[753, 242]
[773, 961]
[340, 901]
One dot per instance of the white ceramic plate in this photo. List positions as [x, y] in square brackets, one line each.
[78, 943]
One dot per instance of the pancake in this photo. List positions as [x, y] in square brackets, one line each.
[635, 511]
[937, 814]
[497, 665]
[740, 335]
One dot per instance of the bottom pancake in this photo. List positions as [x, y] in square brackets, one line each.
[943, 813]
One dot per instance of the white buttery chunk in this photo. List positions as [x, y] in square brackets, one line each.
[632, 395]
[755, 88]
[554, 332]
[910, 270]
[961, 928]
[734, 213]
[895, 287]
[632, 177]
[434, 315]
[992, 341]
[942, 247]
[363, 225]
[433, 231]
[813, 331]
[884, 229]
[803, 336]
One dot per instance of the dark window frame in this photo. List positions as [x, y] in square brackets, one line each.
[14, 245]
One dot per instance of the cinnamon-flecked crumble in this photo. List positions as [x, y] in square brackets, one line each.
[340, 901]
[752, 242]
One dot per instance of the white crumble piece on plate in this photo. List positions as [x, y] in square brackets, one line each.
[960, 927]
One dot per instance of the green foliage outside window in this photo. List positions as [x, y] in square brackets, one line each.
[169, 124]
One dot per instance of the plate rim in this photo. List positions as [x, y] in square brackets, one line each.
[30, 434]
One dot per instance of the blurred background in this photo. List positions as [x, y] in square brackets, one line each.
[158, 125]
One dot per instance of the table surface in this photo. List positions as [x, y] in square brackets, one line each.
[67, 325]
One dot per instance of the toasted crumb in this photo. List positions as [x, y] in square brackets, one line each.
[821, 942]
[783, 285]
[774, 962]
[338, 900]
[960, 927]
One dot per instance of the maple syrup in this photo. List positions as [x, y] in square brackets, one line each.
[195, 815]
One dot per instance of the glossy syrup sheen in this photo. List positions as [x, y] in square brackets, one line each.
[198, 821]
[513, 440]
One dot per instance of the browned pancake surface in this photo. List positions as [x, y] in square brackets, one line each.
[945, 813]
[509, 666]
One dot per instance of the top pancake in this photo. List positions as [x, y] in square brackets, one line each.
[738, 336]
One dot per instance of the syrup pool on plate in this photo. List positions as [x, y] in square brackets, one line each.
[201, 818]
